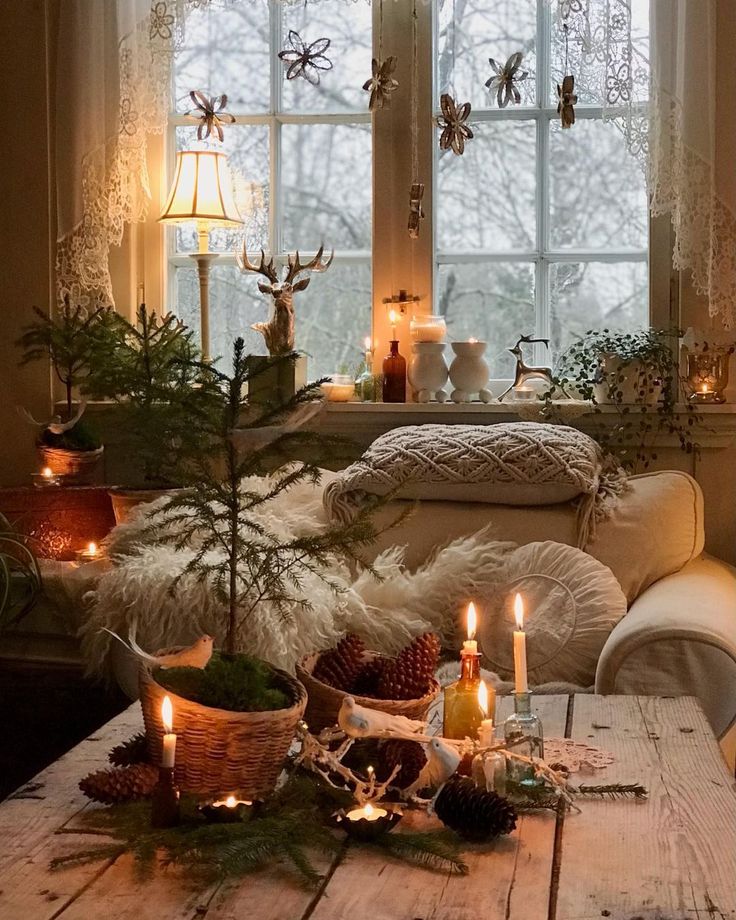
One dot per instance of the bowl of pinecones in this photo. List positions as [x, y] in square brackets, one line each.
[404, 685]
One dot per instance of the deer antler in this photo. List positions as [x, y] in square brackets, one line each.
[295, 267]
[267, 269]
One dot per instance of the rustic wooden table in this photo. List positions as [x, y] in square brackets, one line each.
[672, 857]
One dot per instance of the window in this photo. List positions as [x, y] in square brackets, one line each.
[533, 228]
[536, 227]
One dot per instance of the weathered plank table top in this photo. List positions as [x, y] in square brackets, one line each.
[672, 857]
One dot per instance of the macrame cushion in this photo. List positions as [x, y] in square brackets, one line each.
[521, 463]
[572, 603]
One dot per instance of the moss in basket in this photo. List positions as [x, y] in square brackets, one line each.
[237, 683]
[81, 437]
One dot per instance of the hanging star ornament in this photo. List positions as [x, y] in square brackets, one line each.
[305, 60]
[453, 122]
[567, 100]
[209, 112]
[381, 83]
[505, 79]
[416, 211]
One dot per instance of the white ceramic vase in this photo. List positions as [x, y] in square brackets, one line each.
[428, 371]
[629, 390]
[469, 372]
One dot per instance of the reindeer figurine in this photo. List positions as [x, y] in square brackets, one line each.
[278, 332]
[525, 371]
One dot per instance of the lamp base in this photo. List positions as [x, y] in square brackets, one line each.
[204, 260]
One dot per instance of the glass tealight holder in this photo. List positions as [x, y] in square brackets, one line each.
[368, 386]
[707, 376]
[488, 771]
[523, 724]
[428, 329]
[339, 388]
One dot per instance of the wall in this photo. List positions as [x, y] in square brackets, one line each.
[28, 231]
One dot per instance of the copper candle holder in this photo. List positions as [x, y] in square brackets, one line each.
[369, 821]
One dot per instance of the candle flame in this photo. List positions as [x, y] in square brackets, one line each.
[483, 698]
[371, 771]
[473, 341]
[167, 715]
[230, 801]
[472, 620]
[367, 343]
[368, 809]
[704, 388]
[92, 548]
[392, 317]
[47, 472]
[519, 611]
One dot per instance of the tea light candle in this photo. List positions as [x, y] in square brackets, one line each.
[470, 646]
[524, 392]
[366, 812]
[227, 810]
[485, 733]
[520, 675]
[88, 554]
[45, 478]
[169, 749]
[341, 388]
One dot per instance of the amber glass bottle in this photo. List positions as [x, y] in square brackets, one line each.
[463, 714]
[394, 375]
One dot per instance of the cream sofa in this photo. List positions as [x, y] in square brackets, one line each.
[679, 635]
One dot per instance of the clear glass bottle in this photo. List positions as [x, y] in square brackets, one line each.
[463, 713]
[524, 724]
[367, 385]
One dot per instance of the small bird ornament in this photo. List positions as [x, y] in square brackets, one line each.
[442, 761]
[196, 655]
[360, 722]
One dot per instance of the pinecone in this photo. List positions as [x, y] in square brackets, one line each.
[409, 675]
[366, 681]
[134, 750]
[409, 754]
[120, 784]
[340, 666]
[472, 812]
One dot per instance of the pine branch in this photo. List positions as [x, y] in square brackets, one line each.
[613, 790]
[437, 850]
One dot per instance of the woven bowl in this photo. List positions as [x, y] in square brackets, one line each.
[219, 751]
[77, 466]
[324, 701]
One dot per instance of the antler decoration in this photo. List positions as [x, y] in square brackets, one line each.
[453, 120]
[381, 83]
[505, 79]
[211, 115]
[278, 332]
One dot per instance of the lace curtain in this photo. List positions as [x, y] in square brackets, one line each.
[114, 78]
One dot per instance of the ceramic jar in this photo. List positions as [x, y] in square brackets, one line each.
[469, 372]
[428, 371]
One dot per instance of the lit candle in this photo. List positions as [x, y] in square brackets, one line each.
[371, 782]
[368, 353]
[485, 734]
[470, 646]
[47, 472]
[167, 717]
[393, 319]
[428, 329]
[472, 340]
[704, 388]
[366, 812]
[522, 685]
[89, 553]
[45, 478]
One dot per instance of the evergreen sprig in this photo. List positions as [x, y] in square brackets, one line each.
[20, 576]
[613, 790]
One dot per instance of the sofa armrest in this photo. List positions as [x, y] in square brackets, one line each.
[679, 637]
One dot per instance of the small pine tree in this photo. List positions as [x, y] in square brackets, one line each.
[216, 513]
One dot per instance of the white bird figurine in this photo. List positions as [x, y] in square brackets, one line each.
[55, 424]
[196, 655]
[360, 722]
[442, 761]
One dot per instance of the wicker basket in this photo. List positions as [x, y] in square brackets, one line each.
[77, 466]
[219, 751]
[324, 701]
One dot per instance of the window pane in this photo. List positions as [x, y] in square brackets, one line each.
[326, 182]
[486, 196]
[596, 295]
[247, 150]
[598, 197]
[471, 32]
[226, 50]
[491, 301]
[348, 26]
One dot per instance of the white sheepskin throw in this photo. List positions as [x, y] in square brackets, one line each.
[519, 463]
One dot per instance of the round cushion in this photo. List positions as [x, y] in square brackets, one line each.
[571, 602]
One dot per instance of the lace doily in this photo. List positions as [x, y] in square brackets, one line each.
[575, 756]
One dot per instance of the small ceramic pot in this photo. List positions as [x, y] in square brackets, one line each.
[469, 372]
[634, 389]
[428, 371]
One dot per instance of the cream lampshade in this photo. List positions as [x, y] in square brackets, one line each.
[202, 192]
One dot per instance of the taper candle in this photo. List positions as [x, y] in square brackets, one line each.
[485, 733]
[169, 750]
[470, 646]
[522, 685]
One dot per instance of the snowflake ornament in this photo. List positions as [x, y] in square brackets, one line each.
[453, 122]
[209, 112]
[505, 79]
[381, 83]
[305, 60]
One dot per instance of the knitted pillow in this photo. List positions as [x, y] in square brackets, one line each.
[572, 603]
[520, 463]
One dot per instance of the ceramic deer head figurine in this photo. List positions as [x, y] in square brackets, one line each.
[278, 332]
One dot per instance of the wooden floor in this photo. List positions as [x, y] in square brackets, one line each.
[670, 858]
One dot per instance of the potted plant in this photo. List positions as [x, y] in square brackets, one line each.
[67, 444]
[146, 368]
[244, 564]
[636, 376]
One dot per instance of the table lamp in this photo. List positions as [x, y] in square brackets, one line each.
[202, 191]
